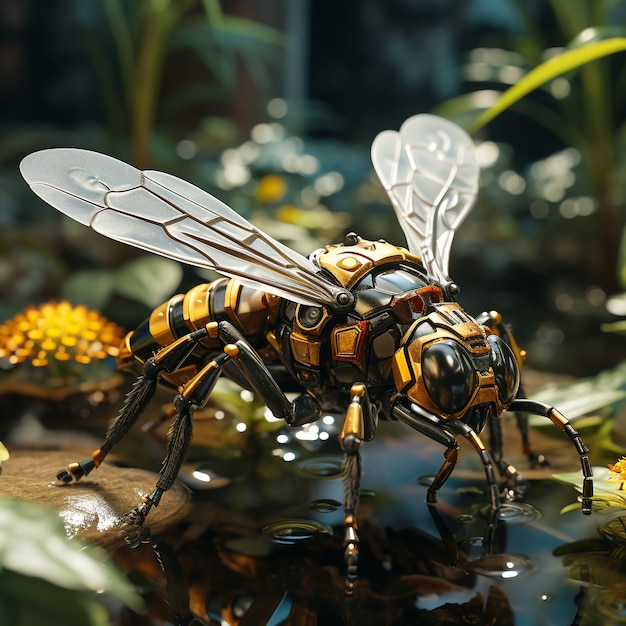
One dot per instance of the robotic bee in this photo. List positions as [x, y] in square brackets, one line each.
[364, 328]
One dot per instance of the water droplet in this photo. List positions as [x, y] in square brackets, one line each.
[502, 566]
[514, 512]
[320, 467]
[426, 480]
[325, 505]
[290, 531]
[473, 547]
[87, 181]
[203, 478]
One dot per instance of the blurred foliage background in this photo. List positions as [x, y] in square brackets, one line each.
[272, 107]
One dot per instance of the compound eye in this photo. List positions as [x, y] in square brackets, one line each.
[505, 369]
[449, 376]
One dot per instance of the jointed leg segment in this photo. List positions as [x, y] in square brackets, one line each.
[435, 430]
[192, 394]
[359, 426]
[558, 419]
[444, 433]
[168, 359]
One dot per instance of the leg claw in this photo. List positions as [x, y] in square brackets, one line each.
[514, 488]
[75, 471]
[137, 537]
[137, 516]
[65, 476]
[136, 532]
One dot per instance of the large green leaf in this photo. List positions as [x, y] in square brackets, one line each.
[149, 279]
[33, 542]
[25, 601]
[604, 391]
[93, 288]
[560, 64]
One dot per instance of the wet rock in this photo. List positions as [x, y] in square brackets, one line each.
[92, 508]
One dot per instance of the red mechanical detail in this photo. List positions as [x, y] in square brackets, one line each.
[410, 305]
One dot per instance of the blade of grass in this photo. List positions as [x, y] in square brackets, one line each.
[565, 62]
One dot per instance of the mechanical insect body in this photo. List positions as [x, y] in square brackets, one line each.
[365, 328]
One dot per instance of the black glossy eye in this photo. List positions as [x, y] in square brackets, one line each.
[449, 376]
[505, 369]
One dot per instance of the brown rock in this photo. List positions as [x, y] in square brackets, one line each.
[92, 508]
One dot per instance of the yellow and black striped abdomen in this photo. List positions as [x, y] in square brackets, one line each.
[251, 311]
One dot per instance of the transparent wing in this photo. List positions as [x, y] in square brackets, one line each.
[430, 172]
[168, 216]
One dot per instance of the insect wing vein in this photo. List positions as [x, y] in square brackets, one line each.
[165, 215]
[233, 246]
[170, 217]
[75, 181]
[430, 173]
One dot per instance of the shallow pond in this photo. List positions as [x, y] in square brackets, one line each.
[262, 543]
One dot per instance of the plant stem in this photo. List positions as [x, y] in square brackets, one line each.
[147, 84]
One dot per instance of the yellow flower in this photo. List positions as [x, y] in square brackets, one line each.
[617, 472]
[58, 332]
[271, 188]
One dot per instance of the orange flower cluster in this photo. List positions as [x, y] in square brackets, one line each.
[59, 332]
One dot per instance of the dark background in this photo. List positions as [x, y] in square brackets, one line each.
[349, 70]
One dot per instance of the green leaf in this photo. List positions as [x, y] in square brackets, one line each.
[33, 542]
[614, 327]
[92, 288]
[25, 601]
[149, 279]
[565, 62]
[582, 397]
[574, 506]
[569, 478]
[465, 108]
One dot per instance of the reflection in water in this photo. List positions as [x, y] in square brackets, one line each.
[265, 548]
[325, 505]
[609, 607]
[320, 467]
[515, 512]
[302, 585]
[615, 529]
[504, 566]
[292, 531]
